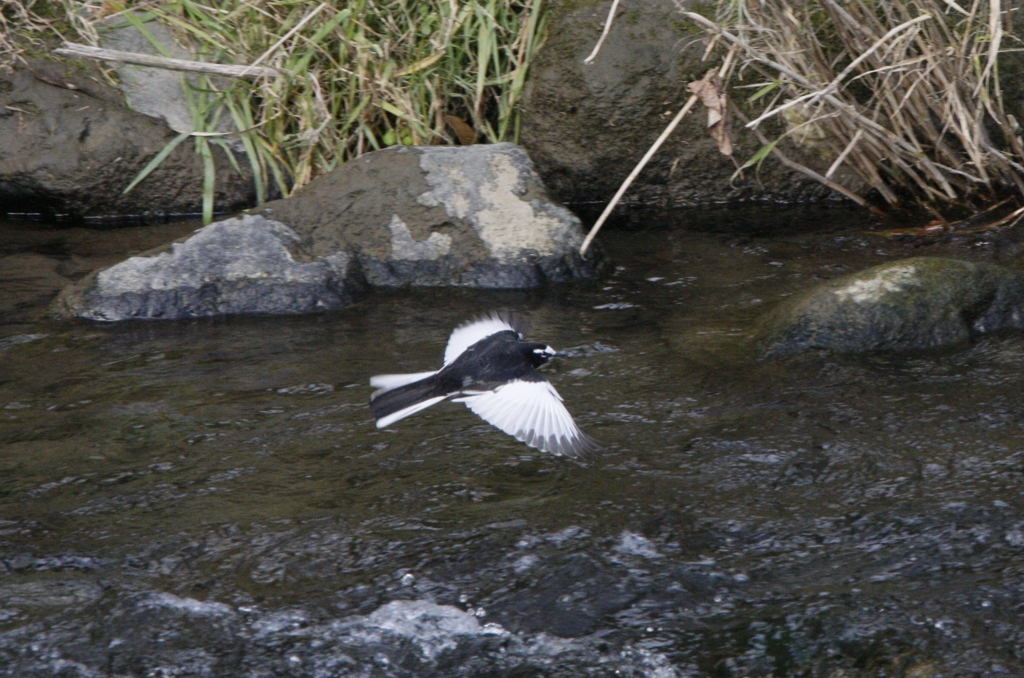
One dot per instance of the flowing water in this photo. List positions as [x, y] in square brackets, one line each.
[211, 497]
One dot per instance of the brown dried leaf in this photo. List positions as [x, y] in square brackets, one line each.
[463, 130]
[709, 90]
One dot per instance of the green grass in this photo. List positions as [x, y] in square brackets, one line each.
[353, 76]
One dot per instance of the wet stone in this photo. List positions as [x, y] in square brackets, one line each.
[917, 303]
[26, 563]
[569, 602]
[245, 265]
[475, 216]
[466, 216]
[163, 634]
[28, 278]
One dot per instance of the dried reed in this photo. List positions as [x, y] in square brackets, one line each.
[902, 94]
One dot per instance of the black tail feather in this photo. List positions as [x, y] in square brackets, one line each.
[398, 399]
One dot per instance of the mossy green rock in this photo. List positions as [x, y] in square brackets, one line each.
[909, 304]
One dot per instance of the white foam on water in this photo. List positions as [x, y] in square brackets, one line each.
[189, 605]
[433, 628]
[633, 544]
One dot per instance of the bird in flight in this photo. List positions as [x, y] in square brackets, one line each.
[489, 367]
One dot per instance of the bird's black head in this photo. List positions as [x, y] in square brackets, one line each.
[538, 353]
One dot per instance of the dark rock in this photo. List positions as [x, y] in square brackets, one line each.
[474, 216]
[163, 634]
[586, 126]
[246, 265]
[910, 304]
[51, 563]
[68, 145]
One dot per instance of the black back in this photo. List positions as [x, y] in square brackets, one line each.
[494, 360]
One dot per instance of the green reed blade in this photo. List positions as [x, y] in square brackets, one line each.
[209, 177]
[157, 160]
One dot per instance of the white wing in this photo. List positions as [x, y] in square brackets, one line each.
[532, 412]
[468, 333]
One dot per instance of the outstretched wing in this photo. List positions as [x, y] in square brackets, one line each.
[472, 331]
[532, 411]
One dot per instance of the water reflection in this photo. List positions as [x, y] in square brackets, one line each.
[211, 497]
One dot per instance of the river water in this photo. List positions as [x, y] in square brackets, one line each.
[211, 497]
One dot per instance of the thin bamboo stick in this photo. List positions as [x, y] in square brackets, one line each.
[647, 157]
[75, 50]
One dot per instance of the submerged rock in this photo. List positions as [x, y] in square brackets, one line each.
[246, 265]
[154, 633]
[914, 303]
[474, 216]
[28, 279]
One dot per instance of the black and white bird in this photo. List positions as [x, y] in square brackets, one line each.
[489, 367]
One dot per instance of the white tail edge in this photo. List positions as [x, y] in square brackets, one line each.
[386, 382]
[412, 409]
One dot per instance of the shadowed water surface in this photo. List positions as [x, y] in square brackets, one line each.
[211, 498]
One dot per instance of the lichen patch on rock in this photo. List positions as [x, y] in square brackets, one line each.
[499, 175]
[894, 279]
[404, 247]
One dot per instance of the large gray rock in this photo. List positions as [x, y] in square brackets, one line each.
[246, 265]
[157, 92]
[474, 216]
[586, 126]
[914, 303]
[68, 145]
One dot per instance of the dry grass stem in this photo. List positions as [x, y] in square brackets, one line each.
[604, 32]
[901, 94]
[87, 51]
